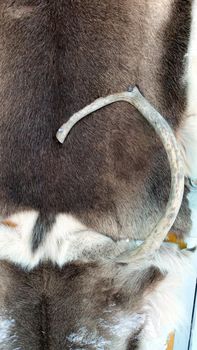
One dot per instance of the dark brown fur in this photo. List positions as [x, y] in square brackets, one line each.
[55, 61]
[112, 172]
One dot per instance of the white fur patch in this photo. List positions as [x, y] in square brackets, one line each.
[117, 333]
[124, 327]
[164, 305]
[68, 240]
[187, 135]
[85, 338]
[7, 338]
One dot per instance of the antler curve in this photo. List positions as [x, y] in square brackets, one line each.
[134, 97]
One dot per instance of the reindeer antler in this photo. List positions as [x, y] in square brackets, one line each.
[134, 97]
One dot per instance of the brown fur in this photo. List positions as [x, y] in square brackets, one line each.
[9, 223]
[111, 173]
[63, 301]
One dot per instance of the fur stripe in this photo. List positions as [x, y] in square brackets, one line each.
[42, 226]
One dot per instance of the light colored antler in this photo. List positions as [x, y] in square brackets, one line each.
[134, 97]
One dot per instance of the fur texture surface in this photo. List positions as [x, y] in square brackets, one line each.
[112, 173]
[64, 208]
[92, 305]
